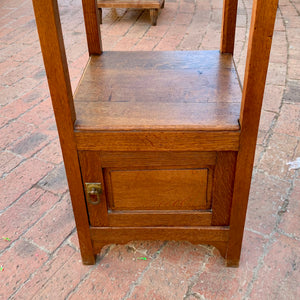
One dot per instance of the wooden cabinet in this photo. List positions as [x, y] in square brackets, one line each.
[158, 145]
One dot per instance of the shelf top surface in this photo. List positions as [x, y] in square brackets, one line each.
[157, 90]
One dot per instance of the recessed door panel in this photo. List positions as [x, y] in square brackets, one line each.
[171, 189]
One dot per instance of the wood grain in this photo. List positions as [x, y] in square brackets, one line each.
[261, 32]
[228, 25]
[181, 189]
[223, 188]
[156, 116]
[91, 171]
[142, 4]
[192, 233]
[159, 218]
[158, 141]
[157, 159]
[50, 34]
[92, 26]
[197, 90]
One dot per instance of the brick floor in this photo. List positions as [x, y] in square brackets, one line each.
[41, 260]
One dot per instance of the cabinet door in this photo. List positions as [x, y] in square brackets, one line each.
[149, 188]
[159, 188]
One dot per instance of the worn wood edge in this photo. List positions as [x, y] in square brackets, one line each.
[123, 127]
[155, 218]
[158, 141]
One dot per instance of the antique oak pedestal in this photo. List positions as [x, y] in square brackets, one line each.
[158, 145]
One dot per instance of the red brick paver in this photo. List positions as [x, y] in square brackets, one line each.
[42, 261]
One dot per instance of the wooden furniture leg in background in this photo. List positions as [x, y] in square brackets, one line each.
[152, 5]
[228, 26]
[153, 16]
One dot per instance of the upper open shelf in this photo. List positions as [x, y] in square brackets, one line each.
[194, 90]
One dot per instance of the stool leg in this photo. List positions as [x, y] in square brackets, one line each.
[163, 4]
[100, 14]
[153, 16]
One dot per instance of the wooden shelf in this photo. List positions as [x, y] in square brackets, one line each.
[143, 4]
[196, 90]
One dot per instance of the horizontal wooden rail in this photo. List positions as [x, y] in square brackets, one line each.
[158, 141]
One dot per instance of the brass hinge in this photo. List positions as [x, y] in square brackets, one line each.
[93, 191]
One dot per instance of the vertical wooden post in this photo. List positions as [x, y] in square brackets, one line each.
[260, 40]
[92, 26]
[50, 33]
[228, 25]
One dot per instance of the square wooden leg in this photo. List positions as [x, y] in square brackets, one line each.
[153, 16]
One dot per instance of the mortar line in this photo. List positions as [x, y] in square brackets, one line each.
[87, 274]
[140, 278]
[30, 226]
[195, 277]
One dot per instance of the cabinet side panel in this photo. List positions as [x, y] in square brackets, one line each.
[223, 188]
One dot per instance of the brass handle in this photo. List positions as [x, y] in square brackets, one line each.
[93, 192]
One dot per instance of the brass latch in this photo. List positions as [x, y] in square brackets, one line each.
[93, 192]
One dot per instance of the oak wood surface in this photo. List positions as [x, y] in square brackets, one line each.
[158, 140]
[143, 4]
[92, 26]
[196, 234]
[195, 90]
[261, 32]
[223, 187]
[228, 25]
[159, 218]
[91, 170]
[176, 189]
[157, 159]
[51, 40]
